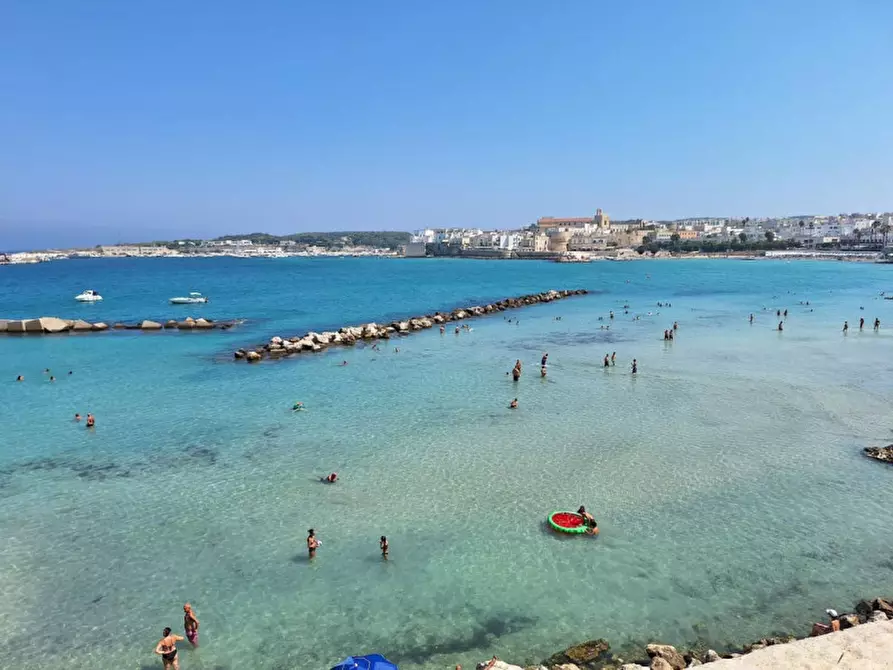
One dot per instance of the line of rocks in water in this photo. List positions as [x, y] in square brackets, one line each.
[596, 655]
[279, 347]
[52, 324]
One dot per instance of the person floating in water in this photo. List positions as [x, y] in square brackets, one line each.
[588, 519]
[543, 371]
[877, 325]
[635, 366]
[297, 407]
[846, 327]
[861, 323]
[167, 649]
[607, 364]
[190, 625]
[513, 404]
[614, 358]
[384, 546]
[77, 418]
[312, 543]
[331, 479]
[91, 421]
[52, 378]
[20, 378]
[780, 326]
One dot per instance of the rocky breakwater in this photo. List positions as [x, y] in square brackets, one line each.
[50, 325]
[279, 347]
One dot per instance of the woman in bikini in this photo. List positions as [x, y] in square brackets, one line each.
[167, 649]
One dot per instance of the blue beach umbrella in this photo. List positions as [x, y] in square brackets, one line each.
[370, 662]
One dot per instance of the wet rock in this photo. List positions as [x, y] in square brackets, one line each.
[876, 616]
[186, 324]
[276, 340]
[884, 454]
[667, 653]
[658, 663]
[150, 325]
[711, 656]
[119, 326]
[499, 665]
[253, 356]
[100, 326]
[864, 608]
[582, 654]
[693, 663]
[239, 353]
[170, 323]
[884, 606]
[203, 323]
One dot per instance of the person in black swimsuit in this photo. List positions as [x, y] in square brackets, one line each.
[167, 649]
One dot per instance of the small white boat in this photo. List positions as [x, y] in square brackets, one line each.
[193, 298]
[88, 296]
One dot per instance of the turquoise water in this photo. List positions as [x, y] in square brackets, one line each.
[726, 476]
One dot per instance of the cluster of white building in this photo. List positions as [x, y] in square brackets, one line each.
[598, 232]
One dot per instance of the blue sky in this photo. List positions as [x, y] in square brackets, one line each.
[137, 120]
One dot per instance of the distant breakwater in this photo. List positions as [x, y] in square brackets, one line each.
[46, 325]
[279, 347]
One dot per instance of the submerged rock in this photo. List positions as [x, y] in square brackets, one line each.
[582, 654]
[884, 454]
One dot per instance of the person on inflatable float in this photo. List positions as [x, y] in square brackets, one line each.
[588, 519]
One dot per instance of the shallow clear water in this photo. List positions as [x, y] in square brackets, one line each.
[726, 476]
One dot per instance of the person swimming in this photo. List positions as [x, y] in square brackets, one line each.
[77, 417]
[543, 371]
[297, 407]
[513, 404]
[442, 330]
[330, 479]
[20, 378]
[91, 421]
[588, 519]
[544, 359]
[384, 546]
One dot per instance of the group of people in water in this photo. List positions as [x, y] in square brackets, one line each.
[877, 325]
[167, 645]
[91, 420]
[314, 543]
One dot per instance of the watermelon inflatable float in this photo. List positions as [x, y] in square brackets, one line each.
[568, 522]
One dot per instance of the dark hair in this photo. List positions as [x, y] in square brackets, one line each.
[384, 539]
[166, 632]
[581, 510]
[310, 531]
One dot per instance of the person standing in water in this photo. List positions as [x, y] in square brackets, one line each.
[606, 360]
[861, 323]
[91, 421]
[635, 366]
[543, 371]
[751, 318]
[614, 358]
[513, 404]
[877, 325]
[545, 359]
[167, 649]
[190, 625]
[780, 326]
[846, 327]
[312, 543]
[384, 546]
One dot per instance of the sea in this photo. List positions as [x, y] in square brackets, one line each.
[727, 475]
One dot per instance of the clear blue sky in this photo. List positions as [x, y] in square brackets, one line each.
[139, 120]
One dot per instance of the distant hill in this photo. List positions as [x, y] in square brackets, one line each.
[379, 239]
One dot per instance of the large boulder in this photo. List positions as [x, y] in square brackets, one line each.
[80, 326]
[276, 340]
[52, 324]
[848, 621]
[3, 325]
[883, 606]
[170, 323]
[876, 616]
[584, 653]
[884, 454]
[668, 653]
[203, 323]
[150, 325]
[253, 356]
[659, 663]
[239, 353]
[15, 326]
[186, 324]
[711, 656]
[100, 326]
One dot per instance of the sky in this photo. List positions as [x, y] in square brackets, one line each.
[135, 121]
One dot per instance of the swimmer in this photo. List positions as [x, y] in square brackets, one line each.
[312, 543]
[70, 372]
[297, 407]
[611, 315]
[614, 358]
[77, 418]
[52, 378]
[442, 330]
[20, 378]
[91, 421]
[543, 371]
[330, 479]
[588, 519]
[46, 371]
[167, 649]
[396, 350]
[384, 546]
[343, 363]
[190, 625]
[846, 327]
[513, 404]
[457, 330]
[635, 366]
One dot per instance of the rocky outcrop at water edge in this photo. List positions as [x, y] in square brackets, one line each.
[884, 454]
[279, 347]
[54, 325]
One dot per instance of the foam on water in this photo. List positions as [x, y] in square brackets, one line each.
[726, 475]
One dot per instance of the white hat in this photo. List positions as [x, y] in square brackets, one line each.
[832, 613]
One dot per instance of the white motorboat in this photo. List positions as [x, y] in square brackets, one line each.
[88, 296]
[193, 298]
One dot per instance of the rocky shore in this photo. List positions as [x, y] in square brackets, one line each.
[51, 325]
[596, 654]
[884, 454]
[279, 347]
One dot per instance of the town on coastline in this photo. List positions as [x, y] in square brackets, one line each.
[567, 239]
